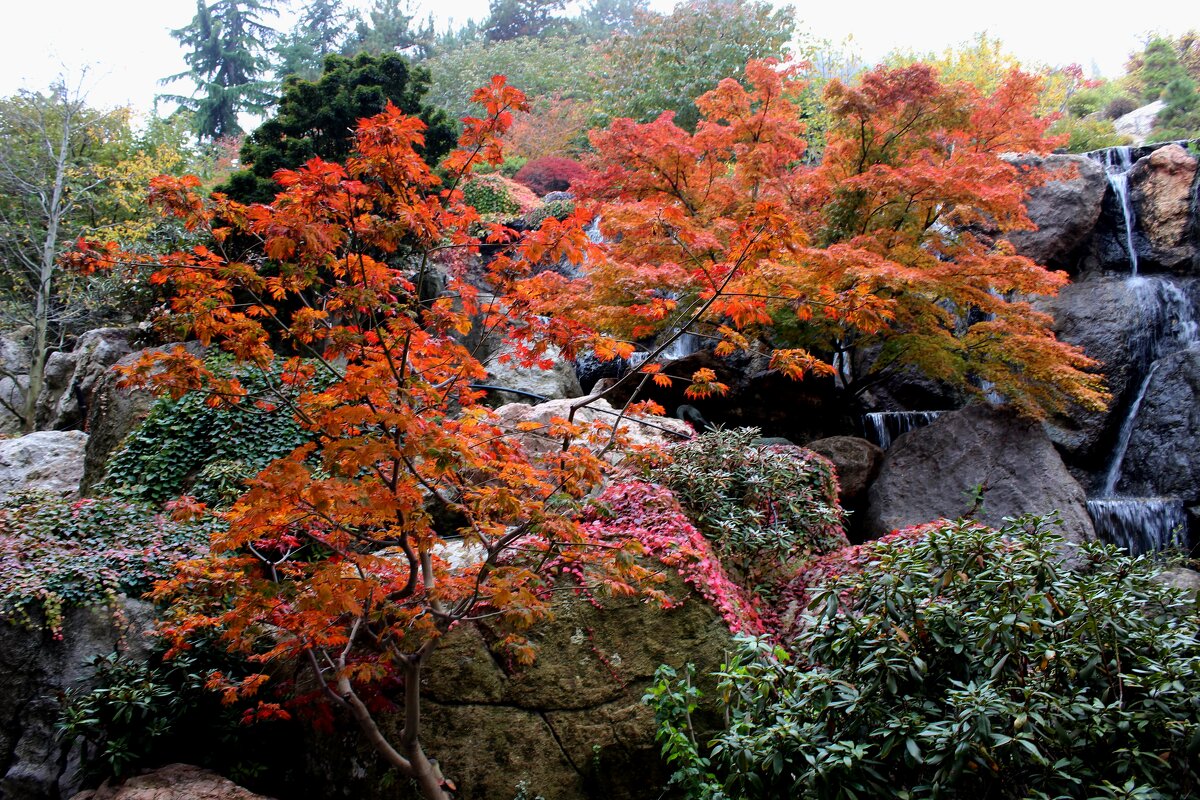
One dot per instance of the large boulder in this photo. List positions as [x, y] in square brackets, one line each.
[114, 412]
[73, 377]
[35, 668]
[1065, 209]
[983, 461]
[554, 382]
[47, 461]
[1163, 456]
[14, 378]
[637, 430]
[1162, 191]
[856, 462]
[571, 726]
[173, 782]
[1138, 124]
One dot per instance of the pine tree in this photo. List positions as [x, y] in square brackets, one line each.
[1180, 119]
[1160, 67]
[510, 19]
[226, 46]
[388, 28]
[321, 30]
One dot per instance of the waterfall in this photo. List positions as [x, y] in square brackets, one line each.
[1117, 162]
[1113, 474]
[887, 426]
[1140, 524]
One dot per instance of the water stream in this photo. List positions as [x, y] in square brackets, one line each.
[884, 427]
[1117, 162]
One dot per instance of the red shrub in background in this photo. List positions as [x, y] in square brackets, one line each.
[550, 174]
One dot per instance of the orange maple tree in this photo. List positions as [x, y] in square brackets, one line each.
[887, 253]
[413, 509]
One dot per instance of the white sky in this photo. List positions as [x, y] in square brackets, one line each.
[126, 48]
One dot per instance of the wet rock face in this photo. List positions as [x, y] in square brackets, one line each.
[856, 461]
[985, 462]
[1163, 457]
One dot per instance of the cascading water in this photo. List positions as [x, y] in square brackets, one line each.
[886, 426]
[1140, 524]
[1117, 162]
[1147, 524]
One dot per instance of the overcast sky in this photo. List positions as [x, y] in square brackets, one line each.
[126, 46]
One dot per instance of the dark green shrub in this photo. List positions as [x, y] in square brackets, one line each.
[958, 661]
[766, 509]
[56, 553]
[187, 445]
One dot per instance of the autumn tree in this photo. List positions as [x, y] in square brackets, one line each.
[414, 509]
[885, 254]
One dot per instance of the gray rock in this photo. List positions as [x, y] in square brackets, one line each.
[49, 461]
[856, 461]
[1163, 457]
[14, 378]
[72, 378]
[1065, 210]
[935, 472]
[554, 383]
[35, 669]
[1138, 123]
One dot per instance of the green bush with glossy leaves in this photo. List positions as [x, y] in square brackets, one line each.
[956, 661]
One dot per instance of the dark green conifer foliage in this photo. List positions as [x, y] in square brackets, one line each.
[318, 118]
[1160, 67]
[226, 52]
[388, 27]
[321, 30]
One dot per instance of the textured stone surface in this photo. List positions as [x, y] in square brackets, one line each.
[14, 377]
[555, 383]
[1140, 122]
[34, 669]
[572, 725]
[637, 430]
[933, 472]
[72, 378]
[48, 461]
[1064, 209]
[173, 782]
[1161, 186]
[1163, 457]
[856, 461]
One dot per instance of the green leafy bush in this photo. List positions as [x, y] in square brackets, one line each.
[187, 445]
[56, 553]
[766, 509]
[497, 197]
[559, 209]
[954, 660]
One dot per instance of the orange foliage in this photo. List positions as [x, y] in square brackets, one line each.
[886, 252]
[414, 509]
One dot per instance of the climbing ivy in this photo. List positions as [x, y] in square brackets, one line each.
[186, 445]
[56, 553]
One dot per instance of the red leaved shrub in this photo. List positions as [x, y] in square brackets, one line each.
[550, 174]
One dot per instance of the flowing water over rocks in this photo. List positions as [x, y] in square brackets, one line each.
[884, 427]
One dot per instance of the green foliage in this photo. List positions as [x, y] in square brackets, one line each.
[142, 713]
[559, 209]
[553, 65]
[954, 660]
[55, 553]
[321, 30]
[1085, 135]
[512, 19]
[388, 28]
[225, 47]
[1160, 67]
[669, 61]
[317, 119]
[1180, 119]
[497, 197]
[187, 445]
[766, 509]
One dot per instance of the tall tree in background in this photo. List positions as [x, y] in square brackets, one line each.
[1160, 66]
[321, 30]
[672, 60]
[318, 119]
[600, 19]
[388, 27]
[512, 19]
[227, 44]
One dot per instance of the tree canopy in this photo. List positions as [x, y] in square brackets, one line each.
[318, 118]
